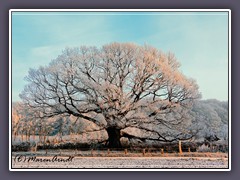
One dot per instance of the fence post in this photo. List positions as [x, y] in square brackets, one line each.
[180, 147]
[162, 152]
[143, 152]
[91, 152]
[125, 151]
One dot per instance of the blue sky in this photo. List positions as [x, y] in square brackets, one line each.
[198, 39]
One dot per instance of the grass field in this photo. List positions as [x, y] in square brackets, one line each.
[108, 158]
[128, 162]
[116, 159]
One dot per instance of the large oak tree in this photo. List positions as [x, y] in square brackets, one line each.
[117, 86]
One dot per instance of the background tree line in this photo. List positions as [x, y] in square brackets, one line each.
[209, 119]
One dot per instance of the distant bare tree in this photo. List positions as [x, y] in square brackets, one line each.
[116, 86]
[16, 119]
[24, 121]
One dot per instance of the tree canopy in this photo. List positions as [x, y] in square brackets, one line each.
[116, 86]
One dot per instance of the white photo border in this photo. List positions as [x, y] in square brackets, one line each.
[119, 10]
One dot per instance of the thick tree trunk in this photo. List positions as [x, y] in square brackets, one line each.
[114, 137]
